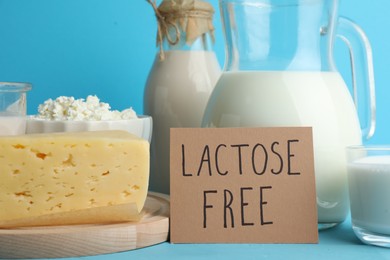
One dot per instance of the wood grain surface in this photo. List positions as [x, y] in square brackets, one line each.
[84, 240]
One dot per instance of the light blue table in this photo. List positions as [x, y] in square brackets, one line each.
[337, 243]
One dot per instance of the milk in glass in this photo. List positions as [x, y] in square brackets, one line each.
[12, 125]
[369, 181]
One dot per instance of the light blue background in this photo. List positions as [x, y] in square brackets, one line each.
[107, 47]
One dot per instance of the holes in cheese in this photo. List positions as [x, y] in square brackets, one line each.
[52, 174]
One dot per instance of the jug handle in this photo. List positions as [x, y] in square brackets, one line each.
[362, 69]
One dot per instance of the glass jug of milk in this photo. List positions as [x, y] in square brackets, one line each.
[279, 71]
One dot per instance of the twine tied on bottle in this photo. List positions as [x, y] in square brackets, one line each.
[193, 17]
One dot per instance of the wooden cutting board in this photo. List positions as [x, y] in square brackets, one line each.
[84, 240]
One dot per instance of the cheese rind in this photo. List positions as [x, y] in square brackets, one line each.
[45, 174]
[107, 214]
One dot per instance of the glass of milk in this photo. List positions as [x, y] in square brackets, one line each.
[13, 107]
[369, 182]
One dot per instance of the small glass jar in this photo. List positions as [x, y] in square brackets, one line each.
[13, 107]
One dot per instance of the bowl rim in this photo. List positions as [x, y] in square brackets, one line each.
[33, 118]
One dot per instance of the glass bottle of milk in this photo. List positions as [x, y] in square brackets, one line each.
[280, 71]
[182, 78]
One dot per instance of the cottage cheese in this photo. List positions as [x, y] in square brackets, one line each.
[91, 109]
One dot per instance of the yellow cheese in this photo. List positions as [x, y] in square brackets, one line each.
[49, 174]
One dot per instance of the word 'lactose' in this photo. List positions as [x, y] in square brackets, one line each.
[276, 158]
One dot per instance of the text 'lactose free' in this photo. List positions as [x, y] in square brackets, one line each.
[276, 158]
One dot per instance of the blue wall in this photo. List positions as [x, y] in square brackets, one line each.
[106, 47]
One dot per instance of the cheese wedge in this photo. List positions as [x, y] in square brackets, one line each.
[55, 177]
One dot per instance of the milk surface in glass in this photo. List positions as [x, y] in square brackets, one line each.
[285, 98]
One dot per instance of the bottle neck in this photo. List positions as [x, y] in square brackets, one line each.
[184, 25]
[203, 42]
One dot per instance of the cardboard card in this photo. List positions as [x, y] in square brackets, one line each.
[242, 185]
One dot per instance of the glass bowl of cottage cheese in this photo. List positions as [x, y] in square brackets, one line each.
[67, 114]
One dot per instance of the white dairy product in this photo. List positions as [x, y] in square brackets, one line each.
[69, 108]
[12, 125]
[369, 181]
[317, 99]
[176, 95]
